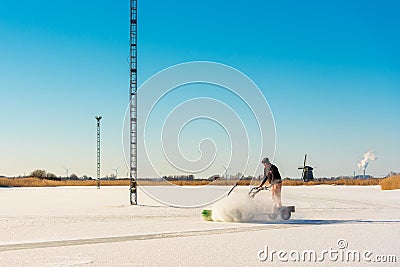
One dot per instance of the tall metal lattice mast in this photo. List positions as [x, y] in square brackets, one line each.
[98, 118]
[133, 102]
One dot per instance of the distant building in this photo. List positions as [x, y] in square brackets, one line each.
[362, 176]
[214, 177]
[179, 178]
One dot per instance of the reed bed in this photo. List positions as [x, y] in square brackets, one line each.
[386, 184]
[391, 183]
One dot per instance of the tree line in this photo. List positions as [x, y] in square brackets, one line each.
[43, 174]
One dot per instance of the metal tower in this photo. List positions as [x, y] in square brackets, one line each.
[133, 103]
[66, 171]
[98, 118]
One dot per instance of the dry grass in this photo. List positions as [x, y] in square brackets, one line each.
[216, 182]
[36, 182]
[391, 183]
[372, 181]
[286, 182]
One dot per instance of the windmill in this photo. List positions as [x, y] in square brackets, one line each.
[116, 172]
[226, 172]
[66, 171]
[307, 174]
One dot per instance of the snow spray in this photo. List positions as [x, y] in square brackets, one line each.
[239, 207]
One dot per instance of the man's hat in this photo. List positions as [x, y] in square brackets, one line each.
[265, 160]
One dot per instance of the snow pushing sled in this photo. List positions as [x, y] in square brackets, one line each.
[285, 211]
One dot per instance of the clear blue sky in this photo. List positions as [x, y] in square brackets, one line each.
[330, 71]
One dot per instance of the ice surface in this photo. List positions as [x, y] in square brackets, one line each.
[84, 226]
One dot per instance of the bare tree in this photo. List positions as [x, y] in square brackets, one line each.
[38, 174]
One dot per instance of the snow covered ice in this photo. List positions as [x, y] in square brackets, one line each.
[84, 226]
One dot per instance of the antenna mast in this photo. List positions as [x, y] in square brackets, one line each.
[133, 102]
[98, 118]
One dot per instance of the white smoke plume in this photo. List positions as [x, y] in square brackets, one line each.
[239, 207]
[369, 156]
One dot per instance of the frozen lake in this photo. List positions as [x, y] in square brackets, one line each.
[84, 226]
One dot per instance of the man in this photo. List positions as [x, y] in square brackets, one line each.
[272, 175]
